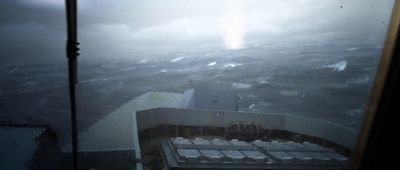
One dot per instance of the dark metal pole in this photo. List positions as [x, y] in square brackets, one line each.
[72, 54]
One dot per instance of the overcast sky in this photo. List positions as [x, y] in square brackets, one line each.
[36, 28]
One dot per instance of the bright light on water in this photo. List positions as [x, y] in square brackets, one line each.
[233, 24]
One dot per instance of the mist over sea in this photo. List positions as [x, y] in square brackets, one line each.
[323, 81]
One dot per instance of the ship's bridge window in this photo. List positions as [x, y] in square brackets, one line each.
[181, 84]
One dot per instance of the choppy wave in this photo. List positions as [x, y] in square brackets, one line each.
[144, 61]
[176, 59]
[252, 106]
[256, 106]
[12, 70]
[241, 85]
[231, 65]
[353, 48]
[93, 80]
[212, 63]
[339, 66]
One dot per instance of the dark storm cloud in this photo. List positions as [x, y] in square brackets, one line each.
[17, 12]
[35, 29]
[30, 32]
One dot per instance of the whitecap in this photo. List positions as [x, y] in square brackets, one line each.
[353, 48]
[93, 80]
[232, 65]
[264, 103]
[176, 59]
[163, 70]
[241, 85]
[212, 63]
[340, 66]
[252, 106]
[263, 80]
[144, 61]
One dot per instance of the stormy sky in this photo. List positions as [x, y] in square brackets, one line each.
[34, 30]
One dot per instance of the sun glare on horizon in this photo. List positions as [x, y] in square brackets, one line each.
[233, 24]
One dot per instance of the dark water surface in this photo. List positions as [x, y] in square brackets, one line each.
[328, 81]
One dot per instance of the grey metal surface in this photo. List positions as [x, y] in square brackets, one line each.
[316, 148]
[297, 146]
[263, 144]
[291, 146]
[200, 141]
[280, 146]
[18, 147]
[189, 154]
[212, 155]
[219, 142]
[137, 156]
[300, 155]
[98, 160]
[119, 131]
[319, 156]
[215, 143]
[220, 153]
[323, 129]
[115, 131]
[281, 156]
[238, 143]
[195, 117]
[181, 141]
[336, 156]
[234, 155]
[187, 99]
[255, 155]
[26, 147]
